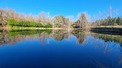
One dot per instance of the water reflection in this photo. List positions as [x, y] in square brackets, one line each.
[75, 48]
[107, 37]
[81, 35]
[14, 36]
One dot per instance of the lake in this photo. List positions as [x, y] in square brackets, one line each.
[59, 49]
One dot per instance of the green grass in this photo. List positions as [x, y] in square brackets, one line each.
[12, 22]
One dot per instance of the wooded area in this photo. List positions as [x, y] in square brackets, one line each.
[8, 17]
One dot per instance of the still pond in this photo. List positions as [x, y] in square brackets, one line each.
[59, 49]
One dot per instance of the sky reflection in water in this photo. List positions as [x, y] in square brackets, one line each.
[73, 50]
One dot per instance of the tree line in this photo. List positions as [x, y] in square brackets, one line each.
[12, 18]
[108, 22]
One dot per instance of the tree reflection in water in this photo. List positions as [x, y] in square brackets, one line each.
[81, 35]
[13, 37]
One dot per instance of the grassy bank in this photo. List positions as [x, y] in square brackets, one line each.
[31, 28]
[12, 22]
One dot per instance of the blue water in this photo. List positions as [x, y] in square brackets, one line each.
[47, 52]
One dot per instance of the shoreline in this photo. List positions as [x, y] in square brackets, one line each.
[31, 28]
[89, 28]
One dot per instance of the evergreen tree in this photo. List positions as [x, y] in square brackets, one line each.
[118, 21]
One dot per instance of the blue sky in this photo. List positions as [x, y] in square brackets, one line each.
[64, 7]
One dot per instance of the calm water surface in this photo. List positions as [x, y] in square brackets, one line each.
[59, 49]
